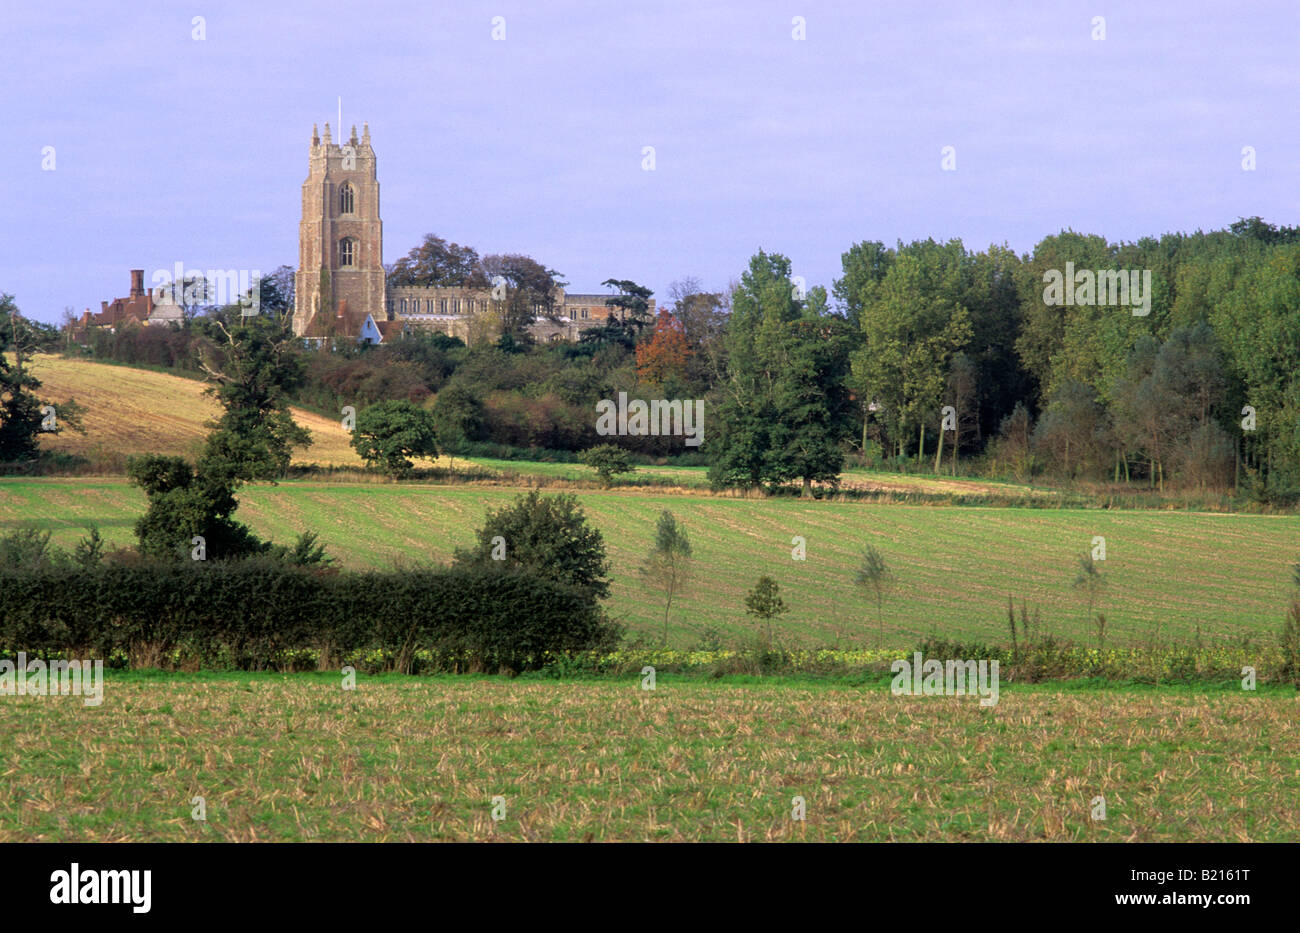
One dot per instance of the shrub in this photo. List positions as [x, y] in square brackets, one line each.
[607, 460]
[185, 502]
[546, 534]
[1290, 644]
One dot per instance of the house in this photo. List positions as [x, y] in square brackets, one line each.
[137, 308]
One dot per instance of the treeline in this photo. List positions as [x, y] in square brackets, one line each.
[1189, 373]
[1043, 381]
[1170, 360]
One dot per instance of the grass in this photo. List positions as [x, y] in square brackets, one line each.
[1224, 575]
[297, 758]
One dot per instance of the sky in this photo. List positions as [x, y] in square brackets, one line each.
[169, 148]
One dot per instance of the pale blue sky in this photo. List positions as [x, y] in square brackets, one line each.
[170, 149]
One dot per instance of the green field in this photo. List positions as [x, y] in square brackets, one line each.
[697, 478]
[295, 757]
[1226, 574]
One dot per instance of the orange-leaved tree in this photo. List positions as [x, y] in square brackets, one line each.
[665, 353]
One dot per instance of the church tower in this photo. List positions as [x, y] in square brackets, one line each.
[340, 275]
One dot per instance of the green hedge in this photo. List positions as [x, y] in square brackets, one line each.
[251, 614]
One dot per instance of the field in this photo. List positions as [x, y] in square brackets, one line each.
[130, 411]
[955, 567]
[1169, 574]
[295, 757]
[298, 758]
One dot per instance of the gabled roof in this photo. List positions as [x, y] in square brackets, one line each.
[346, 323]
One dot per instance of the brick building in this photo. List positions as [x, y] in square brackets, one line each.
[139, 308]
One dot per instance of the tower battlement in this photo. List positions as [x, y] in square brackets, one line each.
[340, 276]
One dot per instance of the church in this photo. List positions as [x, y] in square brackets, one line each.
[341, 290]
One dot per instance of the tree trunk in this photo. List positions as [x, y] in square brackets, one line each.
[920, 454]
[938, 457]
[807, 488]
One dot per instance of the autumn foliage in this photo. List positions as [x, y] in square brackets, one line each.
[665, 353]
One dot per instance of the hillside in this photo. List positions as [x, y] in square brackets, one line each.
[134, 411]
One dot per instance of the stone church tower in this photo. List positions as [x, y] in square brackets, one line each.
[340, 275]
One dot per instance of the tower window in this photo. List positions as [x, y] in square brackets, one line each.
[404, 306]
[346, 252]
[345, 199]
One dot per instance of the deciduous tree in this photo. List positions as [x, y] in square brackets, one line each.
[388, 434]
[668, 567]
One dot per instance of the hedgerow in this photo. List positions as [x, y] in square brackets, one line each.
[252, 614]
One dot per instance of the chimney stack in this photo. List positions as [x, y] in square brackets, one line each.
[137, 283]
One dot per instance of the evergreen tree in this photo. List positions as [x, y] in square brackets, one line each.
[784, 410]
[23, 416]
[810, 398]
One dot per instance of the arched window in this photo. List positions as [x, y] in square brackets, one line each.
[346, 251]
[345, 199]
